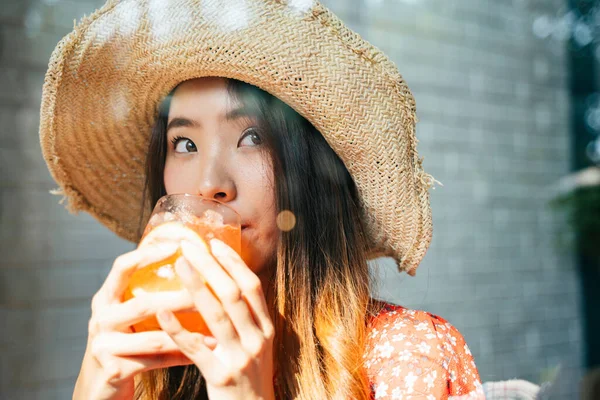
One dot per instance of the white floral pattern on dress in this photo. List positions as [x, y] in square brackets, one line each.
[413, 354]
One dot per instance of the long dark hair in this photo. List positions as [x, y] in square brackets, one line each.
[322, 281]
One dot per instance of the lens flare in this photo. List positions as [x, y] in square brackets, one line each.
[286, 220]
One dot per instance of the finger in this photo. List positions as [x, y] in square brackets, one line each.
[125, 265]
[193, 345]
[247, 306]
[216, 317]
[120, 316]
[117, 369]
[248, 283]
[132, 344]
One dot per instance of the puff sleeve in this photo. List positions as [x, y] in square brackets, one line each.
[413, 354]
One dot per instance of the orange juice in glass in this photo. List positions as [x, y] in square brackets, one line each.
[178, 217]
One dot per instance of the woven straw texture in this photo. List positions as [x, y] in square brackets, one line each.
[107, 77]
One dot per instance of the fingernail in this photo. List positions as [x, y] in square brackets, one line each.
[218, 247]
[183, 268]
[186, 246]
[210, 341]
[167, 247]
[164, 315]
[190, 248]
[157, 253]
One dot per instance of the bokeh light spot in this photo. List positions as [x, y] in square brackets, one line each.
[286, 220]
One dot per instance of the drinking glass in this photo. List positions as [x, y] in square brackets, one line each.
[203, 217]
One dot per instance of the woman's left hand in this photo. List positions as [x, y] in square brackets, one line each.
[241, 364]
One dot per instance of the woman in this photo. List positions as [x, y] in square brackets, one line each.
[293, 318]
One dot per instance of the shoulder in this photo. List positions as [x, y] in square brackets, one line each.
[416, 324]
[394, 316]
[396, 328]
[417, 352]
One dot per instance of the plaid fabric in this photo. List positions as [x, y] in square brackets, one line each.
[511, 390]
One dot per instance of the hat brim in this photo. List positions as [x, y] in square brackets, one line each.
[107, 78]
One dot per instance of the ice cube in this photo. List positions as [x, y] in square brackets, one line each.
[165, 272]
[211, 217]
[155, 220]
[169, 217]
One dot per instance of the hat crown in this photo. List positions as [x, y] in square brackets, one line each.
[106, 79]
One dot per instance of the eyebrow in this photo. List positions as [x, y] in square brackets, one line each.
[231, 115]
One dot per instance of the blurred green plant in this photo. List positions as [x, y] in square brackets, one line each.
[580, 204]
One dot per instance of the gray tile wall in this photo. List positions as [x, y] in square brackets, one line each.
[493, 108]
[51, 262]
[493, 105]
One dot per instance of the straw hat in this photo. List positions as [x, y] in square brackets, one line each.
[107, 77]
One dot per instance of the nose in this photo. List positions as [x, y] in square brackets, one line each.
[216, 183]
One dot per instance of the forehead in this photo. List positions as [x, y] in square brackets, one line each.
[210, 92]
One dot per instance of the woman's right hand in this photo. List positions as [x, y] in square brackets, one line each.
[114, 354]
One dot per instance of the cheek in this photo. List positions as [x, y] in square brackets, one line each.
[173, 176]
[260, 246]
[260, 186]
[169, 178]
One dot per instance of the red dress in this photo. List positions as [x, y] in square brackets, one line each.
[413, 354]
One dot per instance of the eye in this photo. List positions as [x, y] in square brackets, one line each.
[183, 145]
[250, 137]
